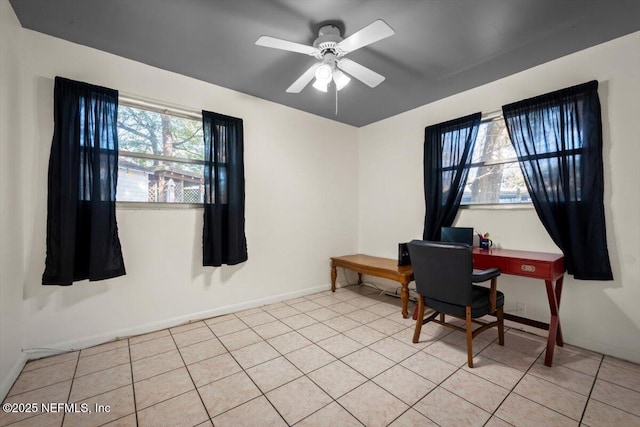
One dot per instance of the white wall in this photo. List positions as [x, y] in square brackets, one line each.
[301, 208]
[11, 223]
[602, 316]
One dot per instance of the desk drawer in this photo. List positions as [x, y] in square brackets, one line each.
[531, 268]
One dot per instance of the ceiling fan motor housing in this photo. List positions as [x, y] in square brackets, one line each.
[327, 41]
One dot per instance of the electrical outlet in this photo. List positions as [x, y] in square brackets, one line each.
[521, 308]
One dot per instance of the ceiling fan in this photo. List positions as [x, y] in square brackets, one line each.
[330, 49]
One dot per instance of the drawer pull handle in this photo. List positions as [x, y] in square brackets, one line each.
[528, 268]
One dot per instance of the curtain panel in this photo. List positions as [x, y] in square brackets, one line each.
[558, 140]
[448, 150]
[82, 233]
[223, 240]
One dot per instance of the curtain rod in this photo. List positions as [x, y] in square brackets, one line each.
[492, 114]
[159, 106]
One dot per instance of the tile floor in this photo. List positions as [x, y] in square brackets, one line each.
[338, 360]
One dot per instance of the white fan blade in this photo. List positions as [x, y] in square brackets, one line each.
[360, 72]
[274, 43]
[304, 79]
[373, 32]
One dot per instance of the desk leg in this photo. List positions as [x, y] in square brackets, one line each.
[404, 295]
[359, 279]
[334, 275]
[554, 323]
[559, 339]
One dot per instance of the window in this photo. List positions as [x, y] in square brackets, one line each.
[494, 174]
[161, 156]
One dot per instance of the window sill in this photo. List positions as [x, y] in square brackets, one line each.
[157, 206]
[502, 206]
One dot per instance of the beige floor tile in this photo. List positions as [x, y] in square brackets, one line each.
[406, 336]
[564, 377]
[459, 339]
[524, 343]
[152, 347]
[272, 329]
[383, 309]
[205, 424]
[258, 318]
[476, 390]
[104, 360]
[617, 396]
[227, 393]
[283, 312]
[577, 360]
[256, 412]
[213, 369]
[509, 357]
[120, 402]
[185, 410]
[288, 342]
[523, 412]
[317, 332]
[42, 420]
[229, 326]
[363, 302]
[53, 393]
[296, 300]
[386, 326]
[365, 335]
[332, 415]
[298, 321]
[192, 336]
[622, 376]
[397, 317]
[310, 358]
[494, 371]
[372, 405]
[187, 327]
[337, 378]
[363, 316]
[150, 336]
[321, 314]
[249, 312]
[341, 323]
[42, 377]
[128, 421]
[273, 373]
[162, 387]
[449, 353]
[158, 364]
[306, 306]
[239, 339]
[307, 396]
[220, 319]
[254, 354]
[100, 382]
[368, 362]
[51, 360]
[393, 349]
[404, 384]
[429, 367]
[324, 300]
[497, 422]
[343, 308]
[447, 409]
[609, 360]
[412, 418]
[104, 347]
[599, 414]
[340, 345]
[552, 396]
[202, 350]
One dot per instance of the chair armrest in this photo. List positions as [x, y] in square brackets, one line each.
[484, 275]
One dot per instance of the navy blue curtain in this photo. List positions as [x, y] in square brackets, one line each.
[448, 150]
[82, 233]
[558, 140]
[223, 240]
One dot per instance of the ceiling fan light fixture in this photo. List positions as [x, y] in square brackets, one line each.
[324, 73]
[321, 85]
[340, 79]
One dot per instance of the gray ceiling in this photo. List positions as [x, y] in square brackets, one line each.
[441, 47]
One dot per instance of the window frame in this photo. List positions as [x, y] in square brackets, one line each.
[488, 117]
[162, 108]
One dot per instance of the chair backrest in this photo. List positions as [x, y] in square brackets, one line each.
[442, 270]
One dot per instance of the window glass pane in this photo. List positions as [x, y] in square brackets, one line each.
[495, 176]
[150, 132]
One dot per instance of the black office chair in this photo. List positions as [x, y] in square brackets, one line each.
[445, 282]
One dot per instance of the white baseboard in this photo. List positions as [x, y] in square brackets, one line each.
[49, 349]
[11, 377]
